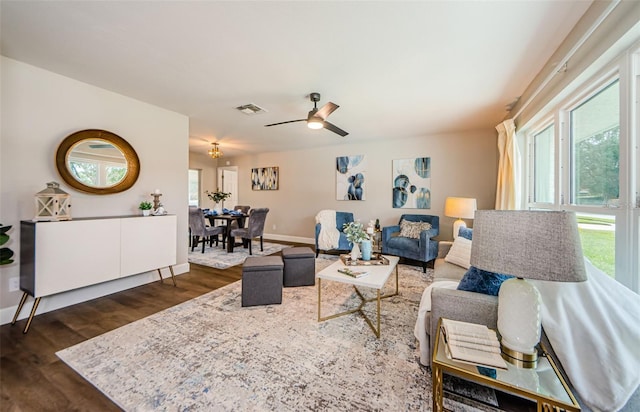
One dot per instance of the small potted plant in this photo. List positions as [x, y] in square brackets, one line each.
[145, 207]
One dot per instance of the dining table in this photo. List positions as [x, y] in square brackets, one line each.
[228, 218]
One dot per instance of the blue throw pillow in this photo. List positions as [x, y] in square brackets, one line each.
[466, 233]
[481, 281]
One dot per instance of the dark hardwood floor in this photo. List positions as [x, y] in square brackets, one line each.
[32, 378]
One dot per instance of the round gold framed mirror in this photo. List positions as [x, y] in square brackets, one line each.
[98, 162]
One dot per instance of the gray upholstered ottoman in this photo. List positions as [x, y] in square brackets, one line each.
[299, 266]
[262, 280]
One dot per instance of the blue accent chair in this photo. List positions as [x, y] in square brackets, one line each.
[422, 250]
[343, 245]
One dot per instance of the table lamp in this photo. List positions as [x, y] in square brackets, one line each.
[460, 208]
[542, 245]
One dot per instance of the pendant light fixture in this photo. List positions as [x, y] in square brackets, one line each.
[215, 151]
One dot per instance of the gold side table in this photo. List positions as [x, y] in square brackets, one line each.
[543, 385]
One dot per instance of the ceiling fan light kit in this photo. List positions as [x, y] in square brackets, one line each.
[315, 124]
[317, 118]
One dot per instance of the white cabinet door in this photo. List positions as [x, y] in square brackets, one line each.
[148, 243]
[74, 254]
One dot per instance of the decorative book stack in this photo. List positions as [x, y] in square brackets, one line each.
[353, 273]
[472, 343]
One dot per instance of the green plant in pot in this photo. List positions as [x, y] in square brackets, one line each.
[145, 207]
[5, 253]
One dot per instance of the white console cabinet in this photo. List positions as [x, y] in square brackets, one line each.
[65, 255]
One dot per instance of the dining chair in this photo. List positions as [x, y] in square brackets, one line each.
[254, 229]
[200, 232]
[241, 222]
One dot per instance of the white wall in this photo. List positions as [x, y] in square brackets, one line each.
[39, 109]
[463, 164]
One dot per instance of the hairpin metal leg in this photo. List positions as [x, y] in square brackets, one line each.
[31, 315]
[20, 305]
[173, 278]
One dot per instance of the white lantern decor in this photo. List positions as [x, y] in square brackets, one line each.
[52, 203]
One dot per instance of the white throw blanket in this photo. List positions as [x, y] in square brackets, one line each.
[594, 329]
[420, 330]
[329, 235]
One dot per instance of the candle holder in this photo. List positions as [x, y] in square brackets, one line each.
[156, 200]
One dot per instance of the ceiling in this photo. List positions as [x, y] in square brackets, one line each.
[397, 69]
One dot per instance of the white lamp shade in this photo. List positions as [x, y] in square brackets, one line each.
[460, 207]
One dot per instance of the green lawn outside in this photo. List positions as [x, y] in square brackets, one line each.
[599, 247]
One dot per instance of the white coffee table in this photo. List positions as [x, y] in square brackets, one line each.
[376, 279]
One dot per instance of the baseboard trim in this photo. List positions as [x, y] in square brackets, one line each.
[62, 300]
[285, 238]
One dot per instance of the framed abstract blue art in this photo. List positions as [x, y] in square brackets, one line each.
[412, 183]
[350, 177]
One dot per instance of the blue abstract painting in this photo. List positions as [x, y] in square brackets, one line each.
[412, 183]
[351, 172]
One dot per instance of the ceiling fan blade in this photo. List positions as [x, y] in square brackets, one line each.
[289, 121]
[326, 110]
[334, 129]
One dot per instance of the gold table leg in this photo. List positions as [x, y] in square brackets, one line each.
[36, 302]
[31, 315]
[20, 305]
[436, 376]
[363, 301]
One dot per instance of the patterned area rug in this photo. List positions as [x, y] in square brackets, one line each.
[211, 354]
[217, 256]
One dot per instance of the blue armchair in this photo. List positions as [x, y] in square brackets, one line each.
[423, 249]
[341, 219]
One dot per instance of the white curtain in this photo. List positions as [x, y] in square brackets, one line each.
[507, 166]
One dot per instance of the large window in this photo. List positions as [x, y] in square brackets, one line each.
[578, 161]
[595, 149]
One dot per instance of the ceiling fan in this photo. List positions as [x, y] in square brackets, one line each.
[316, 119]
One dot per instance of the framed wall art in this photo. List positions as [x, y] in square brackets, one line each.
[350, 177]
[412, 183]
[265, 178]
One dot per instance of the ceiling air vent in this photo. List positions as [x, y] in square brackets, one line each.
[250, 109]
